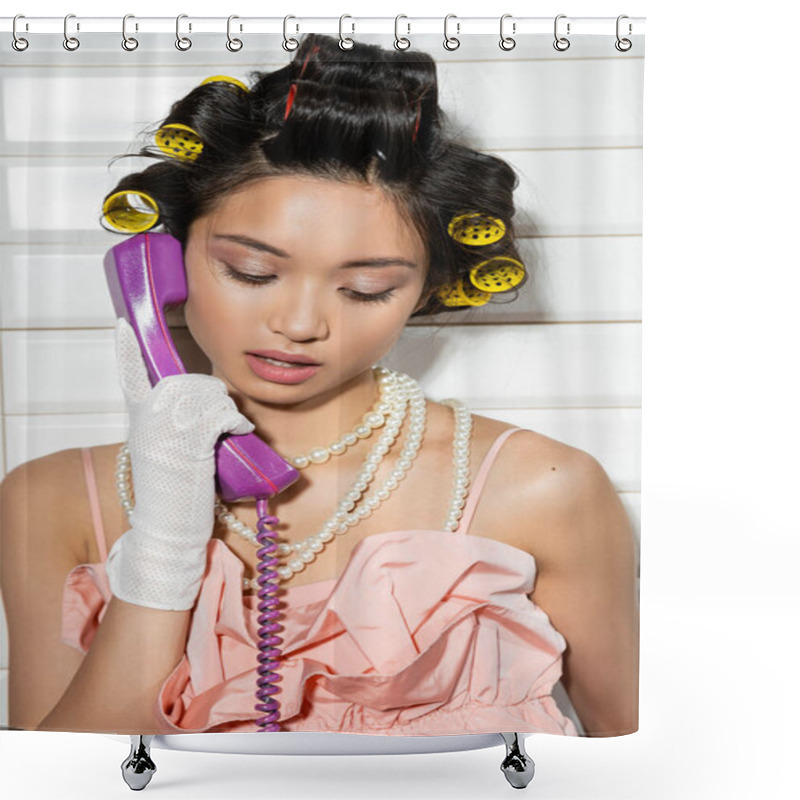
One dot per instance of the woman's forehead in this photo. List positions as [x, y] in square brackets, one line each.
[301, 193]
[303, 210]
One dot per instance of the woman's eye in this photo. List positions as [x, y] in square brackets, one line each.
[243, 277]
[381, 297]
[363, 297]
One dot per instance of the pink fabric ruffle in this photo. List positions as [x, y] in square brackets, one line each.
[442, 645]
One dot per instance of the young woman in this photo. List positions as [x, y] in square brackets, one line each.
[440, 570]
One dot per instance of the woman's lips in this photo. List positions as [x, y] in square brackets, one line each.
[278, 374]
[281, 356]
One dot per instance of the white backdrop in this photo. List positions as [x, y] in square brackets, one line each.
[719, 607]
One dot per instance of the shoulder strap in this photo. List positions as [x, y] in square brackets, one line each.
[480, 480]
[94, 502]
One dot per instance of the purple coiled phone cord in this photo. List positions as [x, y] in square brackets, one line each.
[269, 655]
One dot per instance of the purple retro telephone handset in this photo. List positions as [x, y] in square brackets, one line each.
[145, 274]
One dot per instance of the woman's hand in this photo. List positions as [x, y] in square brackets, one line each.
[174, 427]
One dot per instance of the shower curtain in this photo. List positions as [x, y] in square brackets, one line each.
[491, 625]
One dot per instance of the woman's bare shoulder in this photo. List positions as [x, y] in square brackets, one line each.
[527, 453]
[525, 456]
[42, 498]
[531, 478]
[50, 492]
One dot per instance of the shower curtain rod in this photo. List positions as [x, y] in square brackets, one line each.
[406, 25]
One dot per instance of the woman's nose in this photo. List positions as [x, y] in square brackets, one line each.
[299, 313]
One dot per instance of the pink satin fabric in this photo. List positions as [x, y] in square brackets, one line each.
[426, 632]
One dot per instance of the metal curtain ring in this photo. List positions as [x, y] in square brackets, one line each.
[234, 45]
[286, 40]
[345, 42]
[128, 42]
[560, 40]
[623, 45]
[182, 42]
[70, 42]
[400, 42]
[506, 42]
[18, 43]
[451, 42]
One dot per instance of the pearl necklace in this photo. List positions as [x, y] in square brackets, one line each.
[371, 420]
[399, 390]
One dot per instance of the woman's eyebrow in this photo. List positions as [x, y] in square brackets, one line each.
[263, 247]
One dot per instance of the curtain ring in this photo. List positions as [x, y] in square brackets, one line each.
[286, 40]
[18, 43]
[623, 45]
[345, 42]
[70, 42]
[451, 42]
[506, 42]
[182, 42]
[234, 45]
[128, 42]
[561, 40]
[400, 42]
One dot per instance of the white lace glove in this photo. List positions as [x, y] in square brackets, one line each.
[173, 428]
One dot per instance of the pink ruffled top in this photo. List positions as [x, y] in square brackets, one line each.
[446, 644]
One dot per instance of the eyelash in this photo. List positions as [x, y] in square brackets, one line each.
[243, 277]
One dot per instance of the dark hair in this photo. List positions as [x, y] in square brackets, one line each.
[353, 117]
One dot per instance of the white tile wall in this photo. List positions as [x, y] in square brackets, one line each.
[563, 359]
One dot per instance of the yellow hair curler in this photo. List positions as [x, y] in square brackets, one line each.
[225, 79]
[476, 229]
[130, 211]
[459, 294]
[497, 274]
[180, 141]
